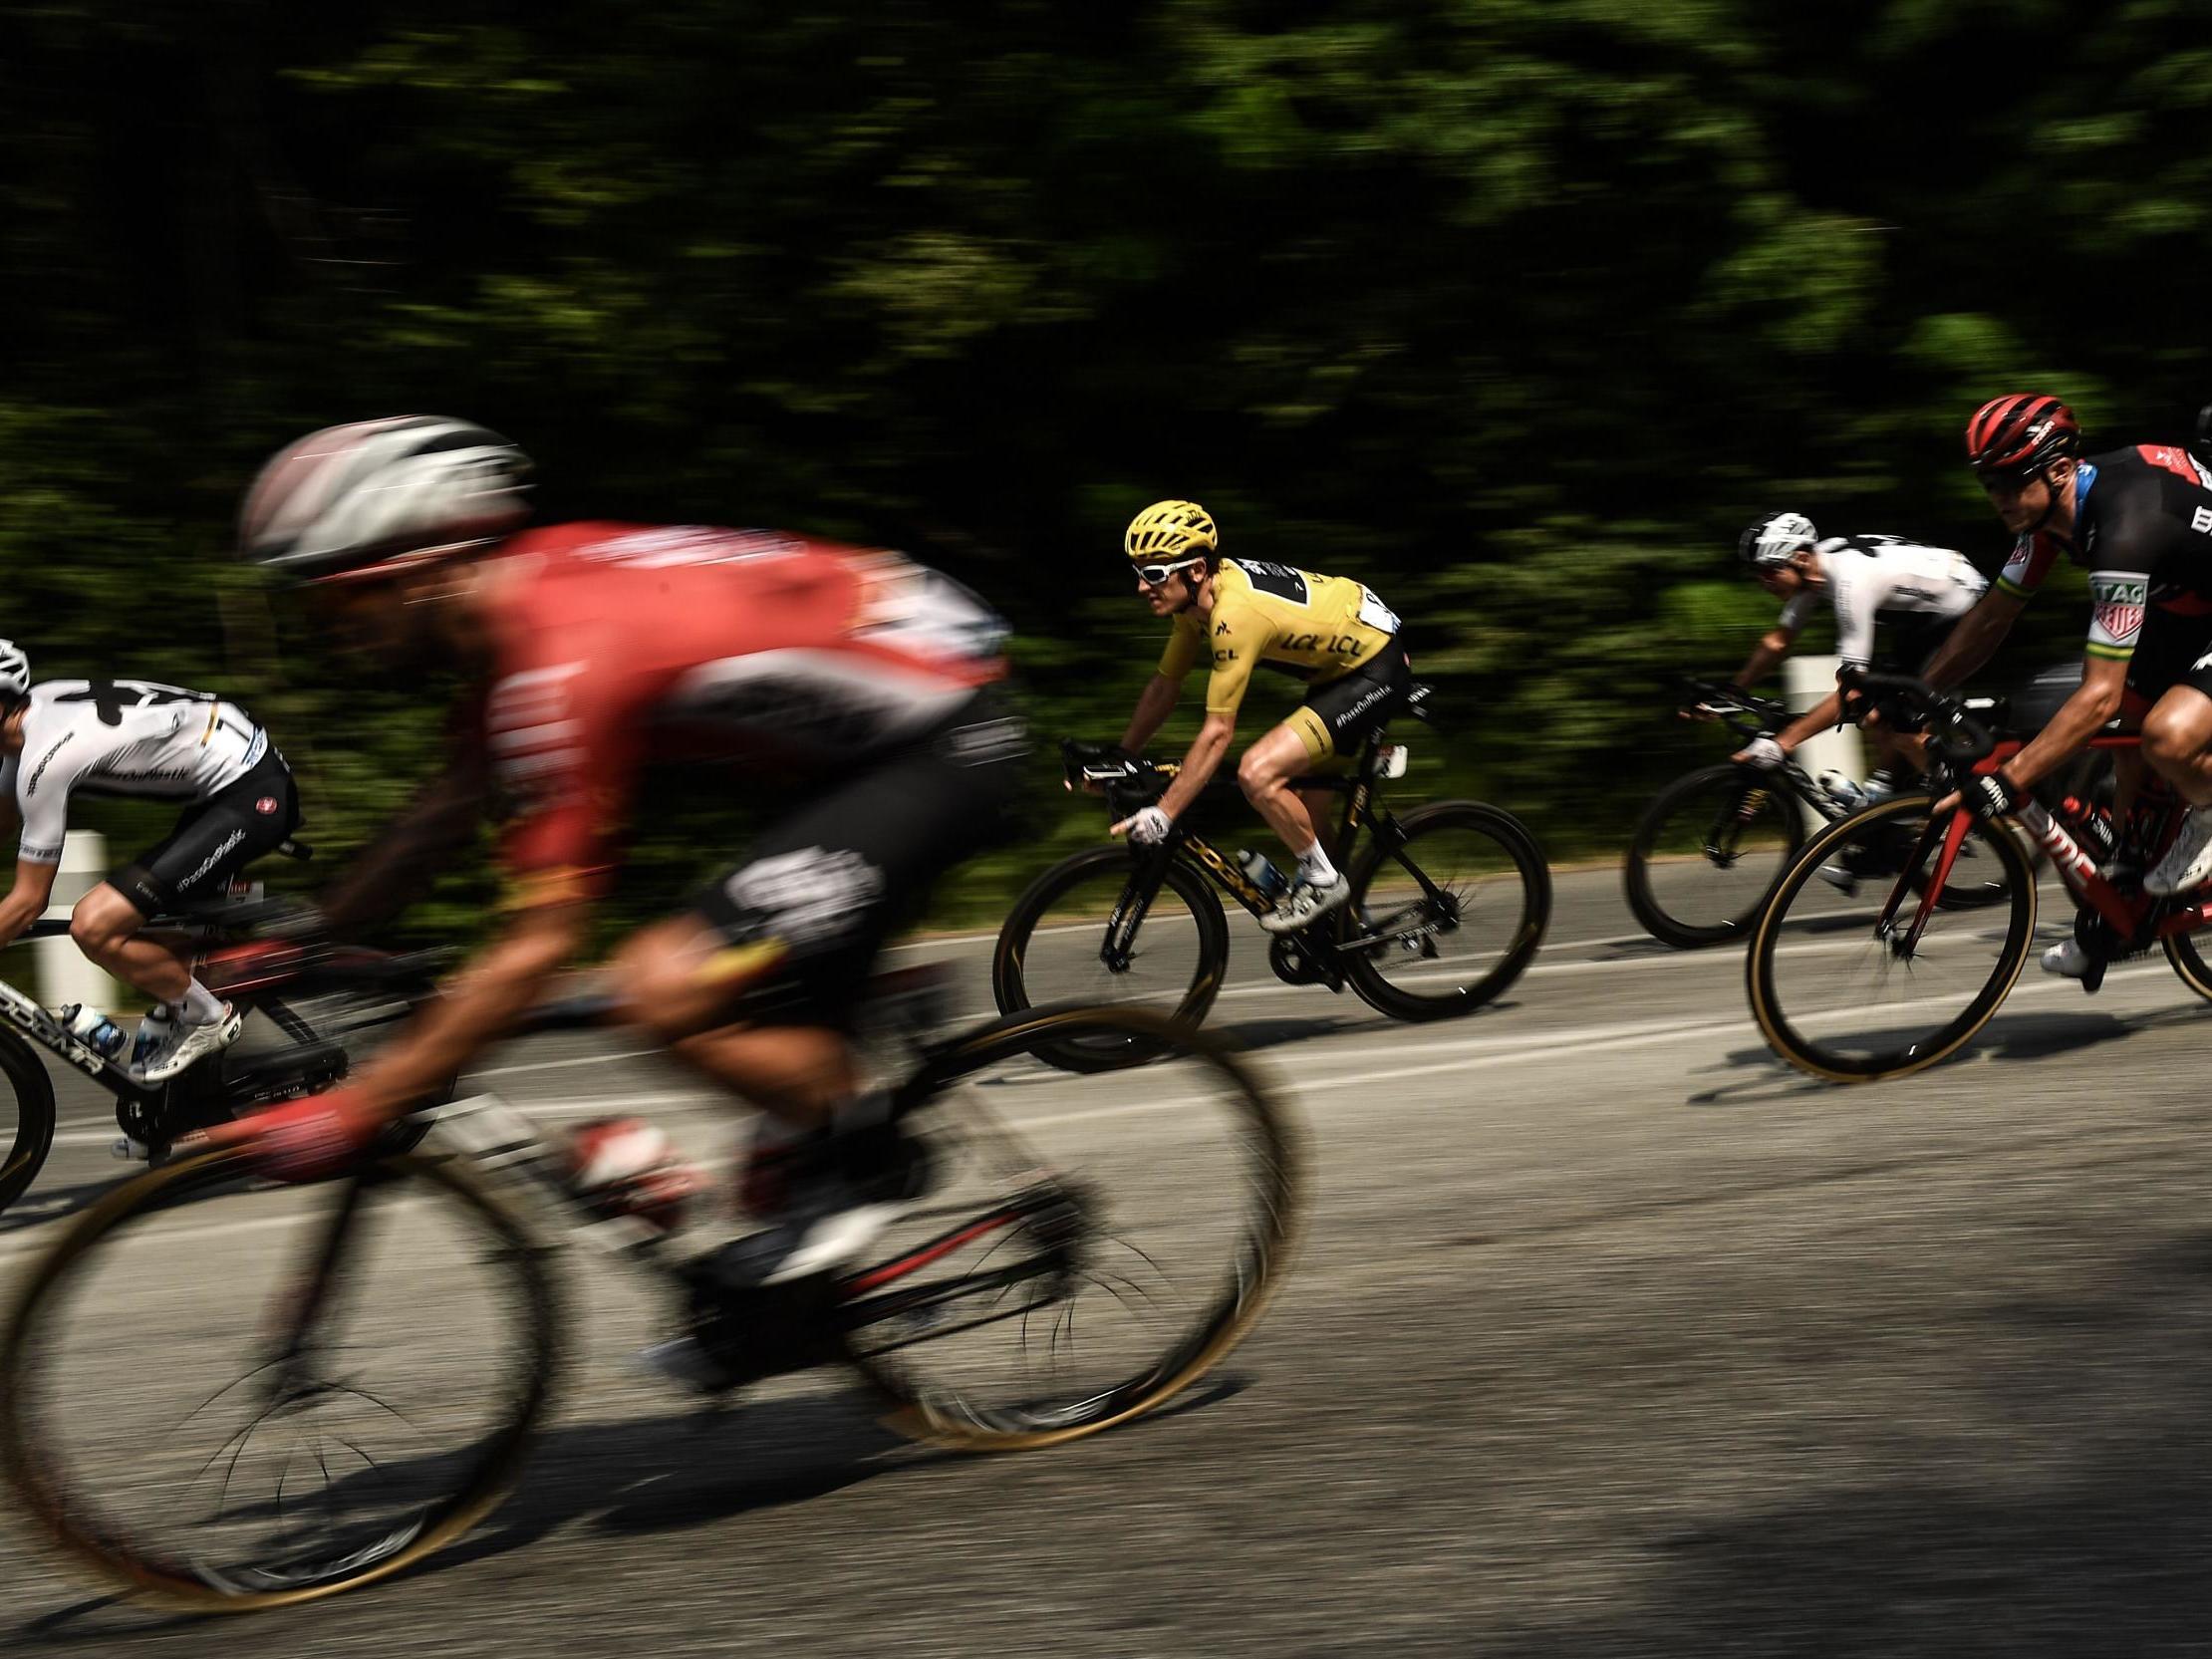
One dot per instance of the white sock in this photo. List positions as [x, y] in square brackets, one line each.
[199, 1007]
[1315, 866]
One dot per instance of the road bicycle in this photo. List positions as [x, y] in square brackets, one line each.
[1888, 981]
[312, 1012]
[338, 1380]
[1712, 847]
[1448, 905]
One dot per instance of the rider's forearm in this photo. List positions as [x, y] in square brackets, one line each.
[1765, 654]
[474, 1008]
[1815, 721]
[16, 914]
[27, 899]
[1199, 765]
[1154, 704]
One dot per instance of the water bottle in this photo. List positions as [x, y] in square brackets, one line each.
[2091, 825]
[94, 1029]
[1262, 874]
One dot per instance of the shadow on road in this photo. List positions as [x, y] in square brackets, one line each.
[54, 1203]
[1771, 1080]
[1276, 1031]
[632, 1476]
[2091, 1542]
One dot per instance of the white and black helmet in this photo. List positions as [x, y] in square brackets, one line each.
[383, 493]
[1774, 540]
[15, 673]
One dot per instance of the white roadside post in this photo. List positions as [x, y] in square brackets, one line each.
[64, 974]
[1804, 682]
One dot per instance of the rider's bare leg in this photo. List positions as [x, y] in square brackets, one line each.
[677, 978]
[1266, 775]
[2176, 736]
[106, 927]
[1898, 752]
[1320, 811]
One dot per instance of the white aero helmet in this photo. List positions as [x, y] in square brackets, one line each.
[15, 672]
[1772, 540]
[382, 494]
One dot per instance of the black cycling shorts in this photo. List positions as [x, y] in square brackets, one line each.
[2168, 653]
[1335, 719]
[822, 891]
[215, 840]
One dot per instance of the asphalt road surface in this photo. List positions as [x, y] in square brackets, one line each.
[1609, 1335]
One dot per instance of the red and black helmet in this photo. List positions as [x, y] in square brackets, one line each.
[2022, 432]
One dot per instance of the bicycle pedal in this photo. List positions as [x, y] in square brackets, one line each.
[129, 1151]
[2093, 980]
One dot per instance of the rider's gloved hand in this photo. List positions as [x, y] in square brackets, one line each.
[304, 1140]
[1760, 753]
[1147, 827]
[1990, 795]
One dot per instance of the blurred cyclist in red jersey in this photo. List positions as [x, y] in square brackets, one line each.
[597, 648]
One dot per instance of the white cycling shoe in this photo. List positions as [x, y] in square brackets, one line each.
[1306, 904]
[2068, 960]
[826, 1200]
[2188, 862]
[187, 1045]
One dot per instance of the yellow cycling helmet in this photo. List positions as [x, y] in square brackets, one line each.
[1170, 530]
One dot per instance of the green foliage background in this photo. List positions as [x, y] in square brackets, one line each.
[1514, 309]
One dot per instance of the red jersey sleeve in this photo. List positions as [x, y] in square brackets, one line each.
[559, 740]
[2033, 556]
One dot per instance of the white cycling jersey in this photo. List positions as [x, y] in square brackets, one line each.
[120, 738]
[1870, 575]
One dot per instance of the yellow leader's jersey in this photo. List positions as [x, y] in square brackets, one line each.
[1319, 628]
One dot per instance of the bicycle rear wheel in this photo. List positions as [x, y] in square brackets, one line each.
[1709, 851]
[1444, 920]
[1833, 987]
[299, 1427]
[29, 1124]
[1055, 949]
[1086, 1253]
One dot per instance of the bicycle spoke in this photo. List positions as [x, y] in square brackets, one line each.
[1449, 917]
[1068, 1312]
[1841, 984]
[272, 1472]
[1708, 851]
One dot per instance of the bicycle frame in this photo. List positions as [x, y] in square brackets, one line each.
[30, 1018]
[199, 1084]
[1361, 810]
[500, 1138]
[2127, 914]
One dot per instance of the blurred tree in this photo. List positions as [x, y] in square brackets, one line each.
[1517, 309]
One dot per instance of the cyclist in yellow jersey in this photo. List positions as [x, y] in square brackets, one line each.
[1234, 615]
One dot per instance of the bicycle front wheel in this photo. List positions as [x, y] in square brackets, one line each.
[262, 1411]
[1835, 986]
[1445, 919]
[1084, 1253]
[1708, 852]
[1085, 932]
[29, 1123]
